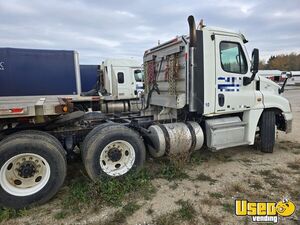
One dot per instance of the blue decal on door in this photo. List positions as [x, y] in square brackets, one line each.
[228, 84]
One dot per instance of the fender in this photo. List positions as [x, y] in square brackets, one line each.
[276, 101]
[251, 117]
[271, 97]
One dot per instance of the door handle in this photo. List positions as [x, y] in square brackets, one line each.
[221, 100]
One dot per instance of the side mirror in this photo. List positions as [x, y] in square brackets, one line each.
[254, 67]
[255, 60]
[289, 74]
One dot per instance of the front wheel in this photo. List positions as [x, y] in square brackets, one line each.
[267, 129]
[32, 168]
[113, 151]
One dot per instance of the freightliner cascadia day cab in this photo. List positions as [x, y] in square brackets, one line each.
[119, 84]
[121, 77]
[197, 87]
[114, 79]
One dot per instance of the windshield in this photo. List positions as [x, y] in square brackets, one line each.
[139, 75]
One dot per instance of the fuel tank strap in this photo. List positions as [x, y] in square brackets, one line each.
[167, 137]
[190, 127]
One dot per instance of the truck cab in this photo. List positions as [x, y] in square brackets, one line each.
[119, 76]
[231, 67]
[208, 76]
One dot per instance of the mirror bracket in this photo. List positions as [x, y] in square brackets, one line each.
[247, 80]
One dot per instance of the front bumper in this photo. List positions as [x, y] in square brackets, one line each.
[288, 117]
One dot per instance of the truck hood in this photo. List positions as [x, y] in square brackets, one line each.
[267, 85]
[271, 96]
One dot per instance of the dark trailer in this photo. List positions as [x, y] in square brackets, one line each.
[32, 72]
[89, 75]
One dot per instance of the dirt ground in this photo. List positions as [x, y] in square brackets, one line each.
[210, 187]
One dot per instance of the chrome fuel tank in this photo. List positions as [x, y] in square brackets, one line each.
[175, 138]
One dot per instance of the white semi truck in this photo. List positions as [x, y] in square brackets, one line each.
[121, 78]
[119, 83]
[200, 89]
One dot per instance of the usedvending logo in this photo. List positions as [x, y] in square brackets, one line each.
[2, 66]
[264, 211]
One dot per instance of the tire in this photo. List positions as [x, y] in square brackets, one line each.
[29, 133]
[113, 151]
[87, 140]
[40, 161]
[267, 129]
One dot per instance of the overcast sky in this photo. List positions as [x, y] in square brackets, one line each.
[126, 28]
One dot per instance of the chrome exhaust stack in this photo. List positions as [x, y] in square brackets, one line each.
[192, 27]
[193, 41]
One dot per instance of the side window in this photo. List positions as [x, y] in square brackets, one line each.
[120, 77]
[233, 59]
[139, 75]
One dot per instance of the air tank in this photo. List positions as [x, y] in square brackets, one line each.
[175, 138]
[121, 106]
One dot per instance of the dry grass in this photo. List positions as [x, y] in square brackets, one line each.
[216, 195]
[270, 177]
[255, 184]
[228, 207]
[296, 151]
[211, 218]
[210, 201]
[282, 170]
[222, 157]
[204, 177]
[150, 211]
[180, 160]
[294, 165]
[120, 216]
[289, 144]
[246, 161]
[185, 213]
[234, 188]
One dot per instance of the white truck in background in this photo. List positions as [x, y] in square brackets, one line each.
[279, 76]
[122, 78]
[119, 84]
[295, 77]
[200, 89]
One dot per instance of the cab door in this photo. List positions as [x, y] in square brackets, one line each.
[125, 82]
[232, 64]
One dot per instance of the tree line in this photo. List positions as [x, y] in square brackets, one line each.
[289, 62]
